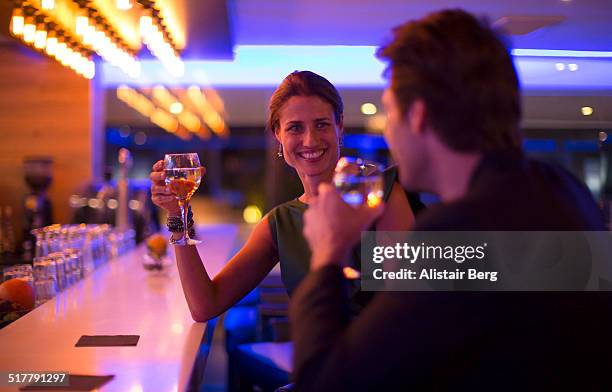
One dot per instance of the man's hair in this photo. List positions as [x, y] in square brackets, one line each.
[305, 84]
[463, 72]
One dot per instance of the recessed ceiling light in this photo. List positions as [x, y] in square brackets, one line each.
[140, 138]
[368, 108]
[572, 67]
[560, 66]
[586, 110]
[176, 108]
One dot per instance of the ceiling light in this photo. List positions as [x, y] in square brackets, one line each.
[586, 110]
[48, 4]
[560, 66]
[176, 108]
[17, 22]
[368, 108]
[89, 34]
[51, 47]
[81, 24]
[572, 67]
[140, 138]
[29, 30]
[40, 37]
[146, 25]
[124, 4]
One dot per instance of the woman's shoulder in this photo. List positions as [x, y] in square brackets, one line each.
[288, 208]
[291, 204]
[391, 177]
[285, 218]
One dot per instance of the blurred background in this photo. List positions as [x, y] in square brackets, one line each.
[79, 80]
[200, 77]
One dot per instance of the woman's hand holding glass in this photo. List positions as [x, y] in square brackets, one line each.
[160, 193]
[175, 179]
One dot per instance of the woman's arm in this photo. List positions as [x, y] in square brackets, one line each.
[208, 297]
[398, 215]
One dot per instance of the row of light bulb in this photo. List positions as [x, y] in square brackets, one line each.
[209, 114]
[144, 106]
[106, 48]
[37, 35]
[153, 37]
[121, 4]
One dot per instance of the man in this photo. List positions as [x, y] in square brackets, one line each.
[453, 108]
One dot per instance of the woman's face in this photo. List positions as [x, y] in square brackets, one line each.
[309, 135]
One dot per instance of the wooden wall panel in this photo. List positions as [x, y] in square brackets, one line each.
[45, 109]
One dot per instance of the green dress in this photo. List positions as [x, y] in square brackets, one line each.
[286, 223]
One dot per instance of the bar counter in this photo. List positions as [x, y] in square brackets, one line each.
[119, 298]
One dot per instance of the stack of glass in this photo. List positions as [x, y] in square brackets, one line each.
[67, 253]
[21, 271]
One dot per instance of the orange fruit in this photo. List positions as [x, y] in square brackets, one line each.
[157, 244]
[18, 291]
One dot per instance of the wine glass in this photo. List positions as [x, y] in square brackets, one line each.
[359, 181]
[183, 175]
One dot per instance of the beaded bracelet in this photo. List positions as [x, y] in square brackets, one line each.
[175, 223]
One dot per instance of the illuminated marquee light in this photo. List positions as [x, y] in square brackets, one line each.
[41, 28]
[210, 116]
[17, 22]
[34, 28]
[147, 108]
[166, 100]
[158, 40]
[98, 35]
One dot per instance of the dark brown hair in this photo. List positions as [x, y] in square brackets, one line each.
[463, 72]
[305, 84]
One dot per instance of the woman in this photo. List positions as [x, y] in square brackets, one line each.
[306, 116]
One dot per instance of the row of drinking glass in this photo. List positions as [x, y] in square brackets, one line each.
[67, 253]
[98, 242]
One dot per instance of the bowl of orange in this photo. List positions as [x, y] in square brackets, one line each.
[157, 250]
[16, 299]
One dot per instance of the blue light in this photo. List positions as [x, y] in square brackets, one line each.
[265, 66]
[357, 66]
[560, 53]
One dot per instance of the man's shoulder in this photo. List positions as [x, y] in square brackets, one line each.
[539, 196]
[458, 215]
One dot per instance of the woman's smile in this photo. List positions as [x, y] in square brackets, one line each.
[312, 155]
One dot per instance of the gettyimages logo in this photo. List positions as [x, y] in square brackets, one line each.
[486, 261]
[412, 254]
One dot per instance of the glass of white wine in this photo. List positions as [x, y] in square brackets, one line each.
[359, 181]
[183, 174]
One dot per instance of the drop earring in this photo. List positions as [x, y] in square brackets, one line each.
[280, 151]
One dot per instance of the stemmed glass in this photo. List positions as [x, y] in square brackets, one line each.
[359, 181]
[183, 175]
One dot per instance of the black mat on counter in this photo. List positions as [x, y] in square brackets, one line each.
[107, 340]
[77, 383]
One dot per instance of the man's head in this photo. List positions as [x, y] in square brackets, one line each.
[452, 82]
